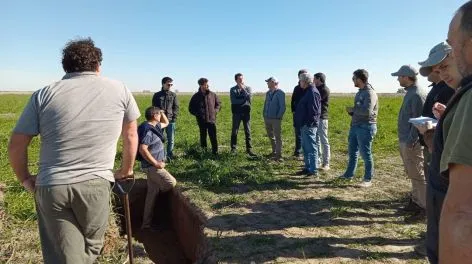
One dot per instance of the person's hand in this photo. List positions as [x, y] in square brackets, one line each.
[160, 165]
[438, 110]
[349, 109]
[412, 145]
[422, 128]
[123, 175]
[29, 183]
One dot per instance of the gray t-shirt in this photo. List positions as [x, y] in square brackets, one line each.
[79, 120]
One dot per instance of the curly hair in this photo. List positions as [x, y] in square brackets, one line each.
[81, 55]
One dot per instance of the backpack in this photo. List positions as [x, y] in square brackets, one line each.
[143, 130]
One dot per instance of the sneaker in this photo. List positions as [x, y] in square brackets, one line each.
[312, 174]
[325, 167]
[302, 172]
[421, 250]
[411, 207]
[417, 217]
[344, 178]
[365, 184]
[251, 154]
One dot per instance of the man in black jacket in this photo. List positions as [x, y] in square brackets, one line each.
[167, 100]
[240, 96]
[204, 105]
[297, 95]
[322, 132]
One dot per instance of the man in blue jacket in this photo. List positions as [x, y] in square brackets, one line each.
[297, 95]
[274, 109]
[307, 116]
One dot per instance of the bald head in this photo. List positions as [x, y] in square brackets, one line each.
[459, 37]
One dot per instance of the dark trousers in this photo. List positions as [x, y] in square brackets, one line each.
[434, 203]
[209, 128]
[245, 117]
[298, 138]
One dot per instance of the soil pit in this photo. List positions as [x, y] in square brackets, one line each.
[178, 234]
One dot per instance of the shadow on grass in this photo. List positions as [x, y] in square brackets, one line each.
[255, 246]
[329, 211]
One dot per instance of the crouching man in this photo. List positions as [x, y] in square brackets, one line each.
[152, 157]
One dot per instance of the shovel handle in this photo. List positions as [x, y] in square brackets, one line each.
[129, 232]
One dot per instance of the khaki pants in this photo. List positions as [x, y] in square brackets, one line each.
[413, 162]
[72, 220]
[157, 180]
[274, 132]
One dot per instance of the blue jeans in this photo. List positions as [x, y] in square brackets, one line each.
[170, 133]
[360, 139]
[310, 149]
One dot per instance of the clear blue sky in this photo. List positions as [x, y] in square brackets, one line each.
[142, 41]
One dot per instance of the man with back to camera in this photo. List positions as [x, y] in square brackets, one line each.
[72, 188]
[411, 150]
[167, 100]
[240, 96]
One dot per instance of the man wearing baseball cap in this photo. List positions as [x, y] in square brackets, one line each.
[435, 191]
[411, 151]
[274, 109]
[440, 92]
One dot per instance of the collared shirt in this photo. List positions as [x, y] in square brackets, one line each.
[412, 107]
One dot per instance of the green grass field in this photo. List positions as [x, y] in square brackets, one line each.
[257, 210]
